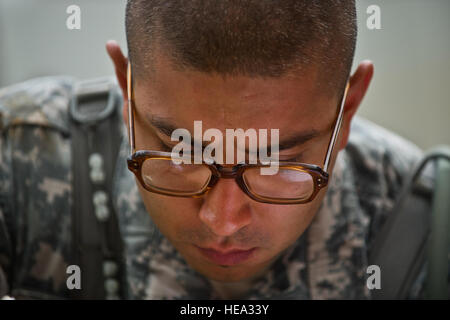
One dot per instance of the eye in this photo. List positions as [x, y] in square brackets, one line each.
[296, 158]
[164, 147]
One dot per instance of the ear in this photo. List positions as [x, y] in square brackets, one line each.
[359, 83]
[120, 66]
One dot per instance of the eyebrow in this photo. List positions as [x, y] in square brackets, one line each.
[166, 127]
[298, 139]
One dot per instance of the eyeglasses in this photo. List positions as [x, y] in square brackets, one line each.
[294, 183]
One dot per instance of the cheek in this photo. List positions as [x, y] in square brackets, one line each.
[170, 214]
[285, 223]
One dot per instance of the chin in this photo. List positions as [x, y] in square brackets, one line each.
[227, 274]
[223, 273]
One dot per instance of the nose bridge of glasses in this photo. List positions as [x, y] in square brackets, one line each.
[227, 172]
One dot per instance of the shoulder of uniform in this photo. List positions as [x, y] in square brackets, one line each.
[381, 160]
[376, 146]
[41, 101]
[44, 101]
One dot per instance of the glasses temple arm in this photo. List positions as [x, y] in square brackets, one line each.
[130, 110]
[337, 127]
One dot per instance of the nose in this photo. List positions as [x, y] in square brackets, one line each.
[226, 208]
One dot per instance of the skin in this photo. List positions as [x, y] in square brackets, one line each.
[226, 218]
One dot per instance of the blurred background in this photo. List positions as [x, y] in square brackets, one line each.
[410, 92]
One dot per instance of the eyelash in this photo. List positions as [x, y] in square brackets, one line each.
[295, 159]
[165, 148]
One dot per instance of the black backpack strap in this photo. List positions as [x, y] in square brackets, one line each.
[438, 246]
[402, 246]
[95, 133]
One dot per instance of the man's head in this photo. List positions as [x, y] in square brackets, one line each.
[253, 38]
[239, 64]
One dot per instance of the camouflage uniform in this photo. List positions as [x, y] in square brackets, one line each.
[328, 261]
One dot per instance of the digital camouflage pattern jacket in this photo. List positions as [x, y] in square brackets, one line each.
[328, 261]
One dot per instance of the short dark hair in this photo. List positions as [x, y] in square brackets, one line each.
[256, 38]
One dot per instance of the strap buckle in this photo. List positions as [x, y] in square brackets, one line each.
[87, 101]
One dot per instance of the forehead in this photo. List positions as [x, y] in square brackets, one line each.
[288, 103]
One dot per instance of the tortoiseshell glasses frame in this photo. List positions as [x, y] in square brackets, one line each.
[317, 176]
